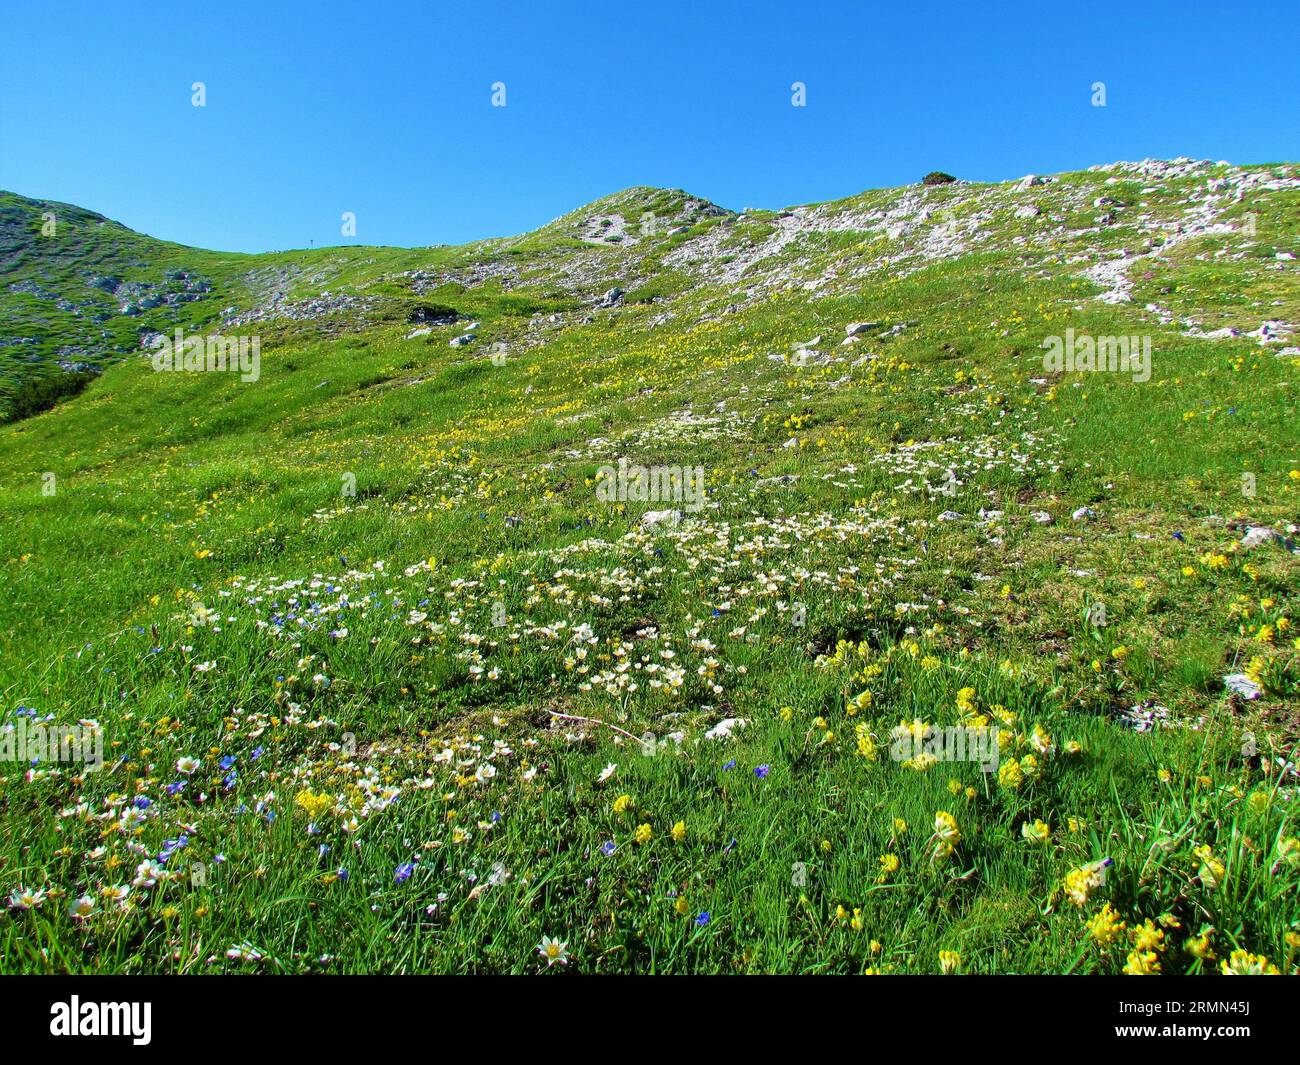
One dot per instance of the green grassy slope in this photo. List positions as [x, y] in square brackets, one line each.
[376, 597]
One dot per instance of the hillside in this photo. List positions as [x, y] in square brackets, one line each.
[373, 649]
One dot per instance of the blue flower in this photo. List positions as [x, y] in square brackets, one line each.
[228, 762]
[703, 919]
[403, 872]
[608, 847]
[729, 765]
[761, 771]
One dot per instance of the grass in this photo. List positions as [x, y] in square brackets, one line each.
[361, 591]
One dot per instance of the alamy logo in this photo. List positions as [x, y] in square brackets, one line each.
[39, 743]
[927, 744]
[213, 354]
[653, 484]
[1079, 353]
[75, 1017]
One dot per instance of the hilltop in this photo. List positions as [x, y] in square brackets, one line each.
[371, 634]
[97, 292]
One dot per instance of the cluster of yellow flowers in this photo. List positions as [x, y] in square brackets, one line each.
[946, 836]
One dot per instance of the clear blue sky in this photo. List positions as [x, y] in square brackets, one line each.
[384, 109]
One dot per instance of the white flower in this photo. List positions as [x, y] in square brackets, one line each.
[148, 873]
[22, 899]
[82, 907]
[187, 765]
[555, 952]
[606, 773]
[132, 818]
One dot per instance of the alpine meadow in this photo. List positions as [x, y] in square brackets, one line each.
[897, 584]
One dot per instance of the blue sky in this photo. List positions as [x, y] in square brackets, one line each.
[384, 109]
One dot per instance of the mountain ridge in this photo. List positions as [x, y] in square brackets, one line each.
[95, 291]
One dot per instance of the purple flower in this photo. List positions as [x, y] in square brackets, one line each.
[729, 765]
[761, 771]
[608, 847]
[703, 919]
[404, 871]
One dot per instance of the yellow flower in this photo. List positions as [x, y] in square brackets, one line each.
[1142, 964]
[642, 834]
[1082, 882]
[949, 961]
[315, 805]
[900, 826]
[1199, 946]
[1010, 776]
[1147, 937]
[888, 867]
[866, 745]
[1037, 832]
[1041, 741]
[1106, 927]
[681, 905]
[679, 831]
[1244, 963]
[946, 835]
[1211, 871]
[945, 827]
[622, 803]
